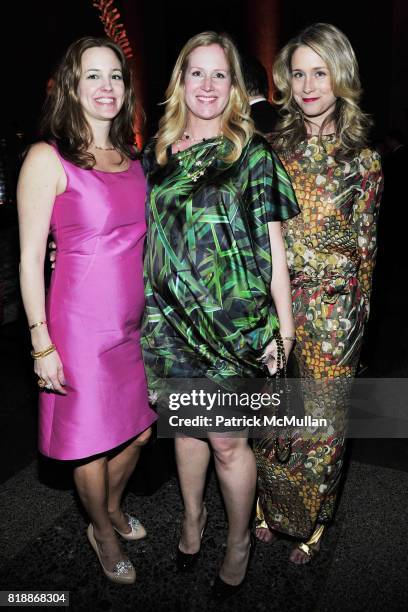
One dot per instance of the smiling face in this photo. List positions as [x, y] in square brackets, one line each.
[207, 83]
[101, 89]
[311, 85]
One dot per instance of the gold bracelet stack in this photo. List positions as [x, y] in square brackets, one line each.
[37, 324]
[47, 351]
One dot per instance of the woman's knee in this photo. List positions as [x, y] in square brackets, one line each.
[227, 450]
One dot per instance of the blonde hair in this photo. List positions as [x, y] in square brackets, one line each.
[236, 124]
[351, 124]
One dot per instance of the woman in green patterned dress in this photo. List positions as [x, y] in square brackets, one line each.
[331, 248]
[217, 197]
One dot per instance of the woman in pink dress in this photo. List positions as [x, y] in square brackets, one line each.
[84, 183]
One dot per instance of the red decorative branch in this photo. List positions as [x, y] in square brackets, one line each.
[109, 15]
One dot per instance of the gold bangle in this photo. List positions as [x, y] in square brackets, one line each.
[290, 338]
[47, 351]
[43, 354]
[37, 324]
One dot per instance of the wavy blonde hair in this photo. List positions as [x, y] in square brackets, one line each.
[351, 124]
[236, 124]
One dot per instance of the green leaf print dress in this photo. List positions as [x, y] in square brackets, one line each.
[208, 268]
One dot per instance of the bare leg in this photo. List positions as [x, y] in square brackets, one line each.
[192, 457]
[120, 468]
[236, 470]
[91, 480]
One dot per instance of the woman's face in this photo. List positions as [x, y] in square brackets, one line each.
[207, 82]
[101, 89]
[311, 85]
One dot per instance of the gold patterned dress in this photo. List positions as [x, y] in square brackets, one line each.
[331, 248]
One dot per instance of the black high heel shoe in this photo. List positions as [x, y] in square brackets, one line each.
[221, 591]
[186, 562]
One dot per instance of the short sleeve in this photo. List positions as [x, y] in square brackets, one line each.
[269, 196]
[269, 187]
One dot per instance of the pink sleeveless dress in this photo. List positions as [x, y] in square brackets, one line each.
[94, 309]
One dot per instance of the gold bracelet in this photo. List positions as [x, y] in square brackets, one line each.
[44, 353]
[47, 351]
[290, 338]
[37, 324]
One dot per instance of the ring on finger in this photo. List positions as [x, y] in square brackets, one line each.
[49, 385]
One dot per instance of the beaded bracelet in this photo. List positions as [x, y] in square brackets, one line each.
[37, 324]
[47, 351]
[283, 451]
[280, 444]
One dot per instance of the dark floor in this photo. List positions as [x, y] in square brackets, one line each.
[363, 564]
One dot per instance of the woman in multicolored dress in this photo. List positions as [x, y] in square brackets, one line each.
[217, 197]
[331, 247]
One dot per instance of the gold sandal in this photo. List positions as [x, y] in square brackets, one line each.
[309, 547]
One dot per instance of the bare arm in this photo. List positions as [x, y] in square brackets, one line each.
[281, 295]
[41, 180]
[280, 285]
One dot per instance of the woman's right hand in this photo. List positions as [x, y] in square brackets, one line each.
[52, 254]
[51, 371]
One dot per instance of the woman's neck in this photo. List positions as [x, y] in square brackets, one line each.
[100, 133]
[197, 129]
[314, 129]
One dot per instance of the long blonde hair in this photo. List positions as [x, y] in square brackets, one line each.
[351, 124]
[236, 124]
